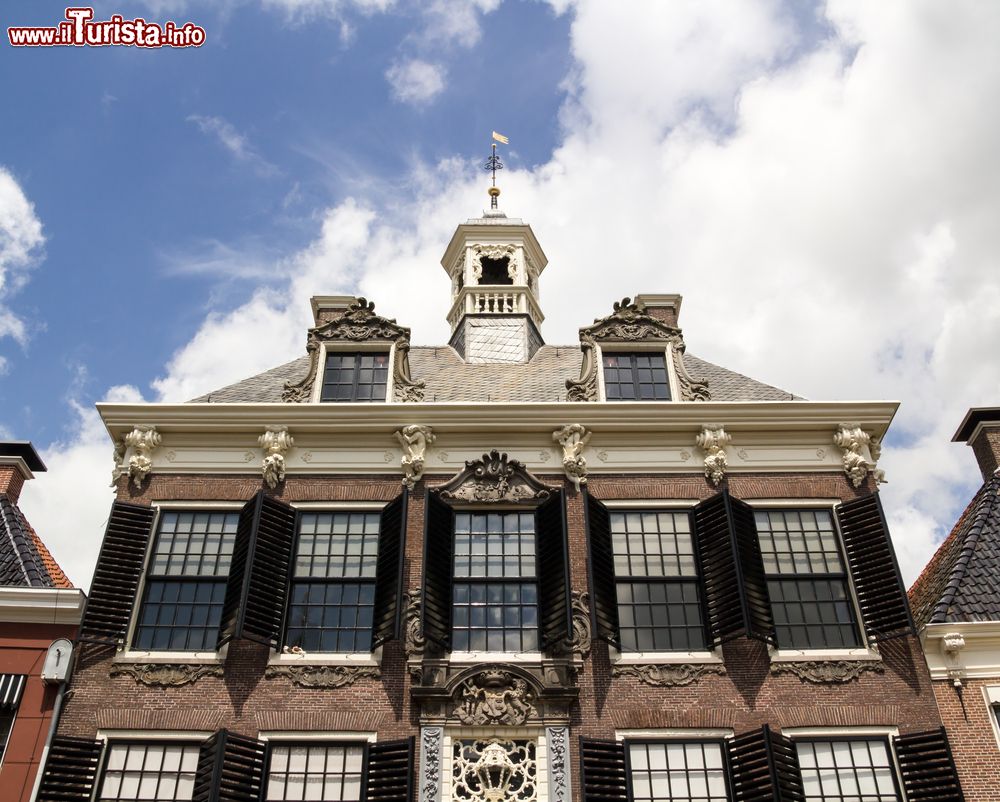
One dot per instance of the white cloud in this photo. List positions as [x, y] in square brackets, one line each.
[232, 140]
[415, 81]
[455, 21]
[21, 242]
[301, 10]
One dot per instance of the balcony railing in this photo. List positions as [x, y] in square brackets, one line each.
[495, 299]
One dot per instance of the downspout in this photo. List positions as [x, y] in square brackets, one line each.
[56, 710]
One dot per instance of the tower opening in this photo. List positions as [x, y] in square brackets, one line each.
[496, 271]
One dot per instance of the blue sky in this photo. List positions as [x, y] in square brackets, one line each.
[820, 181]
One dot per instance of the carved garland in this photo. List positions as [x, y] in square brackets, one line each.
[668, 675]
[165, 675]
[713, 441]
[828, 672]
[359, 323]
[851, 439]
[494, 478]
[431, 744]
[323, 676]
[557, 740]
[414, 640]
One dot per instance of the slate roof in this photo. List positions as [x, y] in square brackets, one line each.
[24, 560]
[962, 580]
[450, 379]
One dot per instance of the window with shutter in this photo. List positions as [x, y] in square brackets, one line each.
[845, 770]
[554, 601]
[230, 769]
[389, 576]
[603, 777]
[927, 767]
[388, 772]
[763, 767]
[677, 771]
[331, 772]
[70, 770]
[148, 770]
[439, 541]
[601, 567]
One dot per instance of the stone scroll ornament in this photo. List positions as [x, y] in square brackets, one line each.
[494, 478]
[573, 437]
[713, 441]
[323, 676]
[431, 746]
[630, 323]
[414, 641]
[828, 672]
[668, 675]
[143, 440]
[358, 323]
[276, 442]
[158, 675]
[851, 439]
[414, 439]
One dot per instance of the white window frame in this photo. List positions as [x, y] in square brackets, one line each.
[151, 737]
[991, 696]
[339, 346]
[654, 347]
[680, 734]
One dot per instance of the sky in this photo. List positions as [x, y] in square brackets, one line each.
[820, 181]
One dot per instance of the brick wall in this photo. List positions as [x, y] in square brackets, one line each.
[11, 482]
[986, 447]
[973, 740]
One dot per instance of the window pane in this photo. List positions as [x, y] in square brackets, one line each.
[677, 772]
[355, 377]
[858, 770]
[317, 772]
[149, 771]
[630, 377]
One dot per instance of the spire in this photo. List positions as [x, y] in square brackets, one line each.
[493, 164]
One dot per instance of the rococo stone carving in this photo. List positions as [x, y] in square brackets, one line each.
[480, 252]
[414, 439]
[323, 676]
[668, 674]
[169, 675]
[494, 696]
[143, 440]
[828, 672]
[431, 744]
[276, 442]
[494, 478]
[581, 640]
[119, 457]
[851, 439]
[358, 323]
[573, 437]
[628, 323]
[414, 640]
[557, 740]
[494, 769]
[713, 441]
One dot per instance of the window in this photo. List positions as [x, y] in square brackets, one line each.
[806, 580]
[857, 770]
[333, 582]
[635, 377]
[359, 376]
[315, 771]
[149, 771]
[659, 600]
[11, 688]
[677, 771]
[496, 586]
[186, 585]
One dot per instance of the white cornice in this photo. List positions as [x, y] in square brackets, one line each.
[977, 655]
[41, 605]
[20, 464]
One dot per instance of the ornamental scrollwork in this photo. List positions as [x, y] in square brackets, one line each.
[323, 676]
[480, 252]
[414, 641]
[414, 439]
[492, 697]
[584, 388]
[851, 439]
[143, 440]
[431, 745]
[713, 441]
[828, 672]
[573, 437]
[165, 675]
[276, 442]
[404, 388]
[494, 478]
[557, 740]
[581, 639]
[668, 675]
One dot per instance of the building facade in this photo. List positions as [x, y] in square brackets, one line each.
[39, 614]
[499, 570]
[956, 604]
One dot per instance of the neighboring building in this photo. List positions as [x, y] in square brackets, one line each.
[956, 605]
[39, 614]
[499, 570]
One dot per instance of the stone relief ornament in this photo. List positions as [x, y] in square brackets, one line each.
[119, 457]
[713, 441]
[581, 639]
[828, 672]
[492, 697]
[480, 252]
[276, 442]
[358, 323]
[573, 437]
[143, 440]
[557, 740]
[494, 769]
[668, 674]
[171, 675]
[414, 640]
[851, 439]
[414, 439]
[431, 744]
[494, 478]
[323, 676]
[584, 388]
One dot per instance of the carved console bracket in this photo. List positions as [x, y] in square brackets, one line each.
[359, 323]
[414, 439]
[165, 675]
[276, 442]
[414, 640]
[581, 640]
[573, 437]
[851, 439]
[668, 675]
[494, 479]
[143, 440]
[828, 672]
[323, 676]
[713, 441]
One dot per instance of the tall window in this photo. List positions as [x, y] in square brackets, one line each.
[11, 689]
[186, 585]
[496, 584]
[635, 377]
[149, 771]
[858, 770]
[677, 772]
[333, 585]
[659, 603]
[315, 771]
[806, 579]
[359, 376]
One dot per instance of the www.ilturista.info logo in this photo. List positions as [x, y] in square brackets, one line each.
[79, 29]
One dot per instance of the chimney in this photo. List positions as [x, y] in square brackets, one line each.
[665, 308]
[18, 463]
[981, 430]
[329, 307]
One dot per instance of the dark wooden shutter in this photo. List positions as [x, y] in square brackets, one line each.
[602, 571]
[257, 588]
[554, 603]
[70, 772]
[389, 771]
[927, 767]
[604, 778]
[735, 591]
[389, 574]
[885, 612]
[116, 577]
[230, 769]
[439, 549]
[764, 767]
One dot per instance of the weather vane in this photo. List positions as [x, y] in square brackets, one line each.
[493, 164]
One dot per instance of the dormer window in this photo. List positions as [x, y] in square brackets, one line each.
[635, 377]
[496, 271]
[355, 376]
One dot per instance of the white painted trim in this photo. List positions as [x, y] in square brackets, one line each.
[329, 736]
[195, 506]
[833, 733]
[338, 506]
[991, 695]
[495, 657]
[153, 735]
[652, 347]
[676, 734]
[706, 657]
[979, 658]
[794, 503]
[344, 346]
[186, 658]
[41, 605]
[797, 655]
[326, 659]
[20, 464]
[663, 505]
